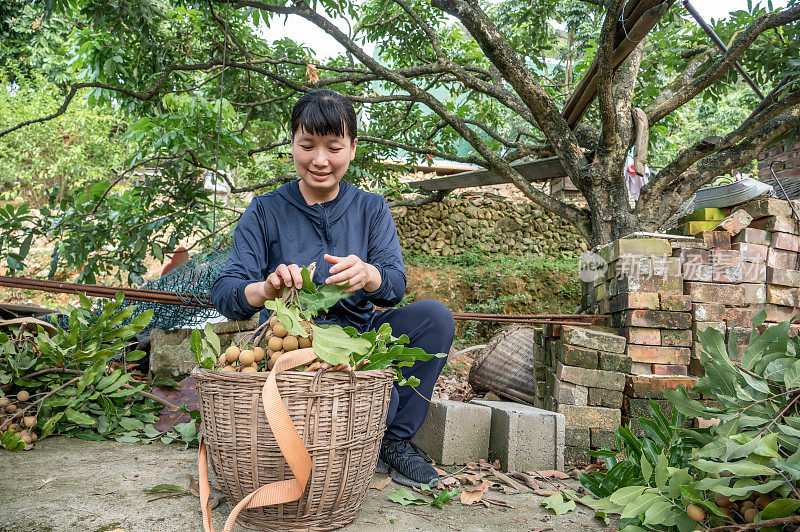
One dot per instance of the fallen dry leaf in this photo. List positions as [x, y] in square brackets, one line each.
[194, 488]
[497, 502]
[441, 472]
[549, 473]
[472, 495]
[527, 479]
[381, 484]
[510, 481]
[545, 493]
[448, 481]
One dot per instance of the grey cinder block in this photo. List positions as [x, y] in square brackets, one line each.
[455, 433]
[525, 438]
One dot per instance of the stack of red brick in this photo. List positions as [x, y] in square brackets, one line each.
[584, 379]
[661, 291]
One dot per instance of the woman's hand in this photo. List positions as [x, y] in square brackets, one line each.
[354, 271]
[284, 276]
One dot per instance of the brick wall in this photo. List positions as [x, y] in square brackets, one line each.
[787, 160]
[659, 293]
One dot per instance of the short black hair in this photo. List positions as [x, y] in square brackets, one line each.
[324, 112]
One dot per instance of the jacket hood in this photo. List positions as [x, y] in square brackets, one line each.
[336, 207]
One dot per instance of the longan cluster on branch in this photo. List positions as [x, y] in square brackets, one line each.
[12, 416]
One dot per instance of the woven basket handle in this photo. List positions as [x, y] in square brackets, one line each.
[289, 441]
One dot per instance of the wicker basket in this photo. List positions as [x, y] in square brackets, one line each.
[340, 417]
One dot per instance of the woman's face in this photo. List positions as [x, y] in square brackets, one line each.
[321, 161]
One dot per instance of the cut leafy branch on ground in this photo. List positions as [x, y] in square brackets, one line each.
[76, 381]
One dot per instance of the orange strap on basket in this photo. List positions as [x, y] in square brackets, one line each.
[289, 441]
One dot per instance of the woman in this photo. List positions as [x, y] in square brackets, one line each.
[320, 218]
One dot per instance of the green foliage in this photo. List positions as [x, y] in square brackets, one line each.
[426, 496]
[752, 448]
[73, 389]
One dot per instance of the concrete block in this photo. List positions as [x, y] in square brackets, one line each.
[525, 438]
[455, 433]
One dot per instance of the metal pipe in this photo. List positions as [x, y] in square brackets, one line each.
[692, 11]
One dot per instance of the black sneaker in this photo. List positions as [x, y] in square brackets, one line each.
[406, 465]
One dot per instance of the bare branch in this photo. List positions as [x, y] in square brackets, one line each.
[655, 210]
[500, 52]
[423, 151]
[436, 196]
[270, 146]
[725, 62]
[605, 74]
[665, 180]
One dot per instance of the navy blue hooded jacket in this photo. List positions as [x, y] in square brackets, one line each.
[281, 228]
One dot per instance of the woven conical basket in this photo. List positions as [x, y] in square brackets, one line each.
[340, 417]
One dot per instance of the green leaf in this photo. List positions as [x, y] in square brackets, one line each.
[678, 478]
[11, 441]
[166, 488]
[196, 346]
[50, 424]
[780, 508]
[333, 345]
[405, 497]
[213, 339]
[688, 406]
[444, 497]
[776, 369]
[743, 468]
[80, 418]
[91, 374]
[627, 494]
[557, 503]
[792, 376]
[641, 503]
[661, 472]
[657, 513]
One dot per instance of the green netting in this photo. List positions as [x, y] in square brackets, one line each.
[193, 279]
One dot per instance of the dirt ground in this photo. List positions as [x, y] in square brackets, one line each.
[67, 484]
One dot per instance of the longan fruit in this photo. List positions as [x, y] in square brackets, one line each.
[4, 401]
[249, 369]
[721, 500]
[746, 505]
[14, 428]
[246, 357]
[275, 356]
[763, 501]
[227, 368]
[304, 342]
[29, 421]
[259, 354]
[232, 354]
[279, 330]
[750, 515]
[695, 513]
[10, 409]
[290, 343]
[23, 396]
[276, 344]
[34, 437]
[273, 320]
[25, 437]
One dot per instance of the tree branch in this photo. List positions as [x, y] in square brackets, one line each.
[666, 178]
[656, 209]
[725, 62]
[423, 151]
[499, 51]
[605, 74]
[436, 196]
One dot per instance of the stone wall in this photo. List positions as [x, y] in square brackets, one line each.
[457, 225]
